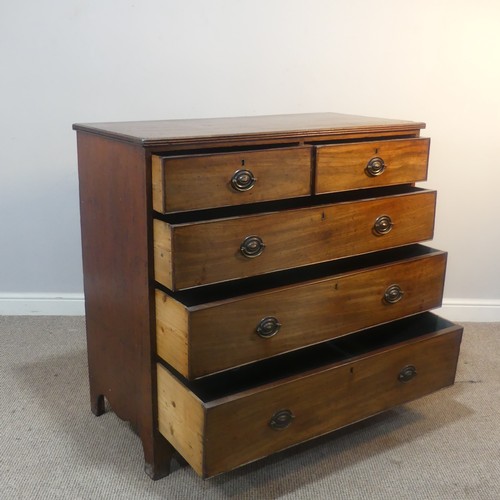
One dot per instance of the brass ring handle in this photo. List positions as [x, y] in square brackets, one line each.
[383, 225]
[252, 247]
[393, 294]
[243, 180]
[375, 167]
[268, 327]
[407, 373]
[281, 420]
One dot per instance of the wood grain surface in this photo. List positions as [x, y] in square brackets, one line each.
[163, 256]
[181, 418]
[158, 210]
[172, 327]
[194, 182]
[223, 334]
[119, 310]
[168, 134]
[342, 167]
[237, 430]
[209, 251]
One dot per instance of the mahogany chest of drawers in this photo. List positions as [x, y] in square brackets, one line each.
[252, 283]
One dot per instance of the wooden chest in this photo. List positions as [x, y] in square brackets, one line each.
[252, 283]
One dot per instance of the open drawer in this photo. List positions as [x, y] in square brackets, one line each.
[217, 179]
[205, 330]
[201, 248]
[360, 165]
[229, 419]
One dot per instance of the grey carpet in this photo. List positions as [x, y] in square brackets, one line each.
[444, 446]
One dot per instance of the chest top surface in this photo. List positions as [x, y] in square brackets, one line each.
[240, 129]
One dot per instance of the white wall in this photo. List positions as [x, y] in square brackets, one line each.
[66, 61]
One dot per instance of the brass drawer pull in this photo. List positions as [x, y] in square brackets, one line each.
[281, 420]
[243, 180]
[268, 327]
[383, 225]
[252, 246]
[407, 373]
[393, 294]
[375, 167]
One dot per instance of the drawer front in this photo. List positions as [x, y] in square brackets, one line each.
[281, 414]
[342, 167]
[206, 181]
[237, 331]
[200, 253]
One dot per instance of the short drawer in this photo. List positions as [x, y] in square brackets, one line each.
[203, 332]
[233, 418]
[202, 181]
[202, 252]
[342, 167]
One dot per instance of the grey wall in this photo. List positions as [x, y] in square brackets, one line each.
[66, 61]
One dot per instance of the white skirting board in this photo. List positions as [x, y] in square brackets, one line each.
[72, 304]
[475, 310]
[42, 304]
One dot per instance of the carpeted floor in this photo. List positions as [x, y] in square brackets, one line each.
[444, 446]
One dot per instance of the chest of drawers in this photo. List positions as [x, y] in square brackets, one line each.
[252, 283]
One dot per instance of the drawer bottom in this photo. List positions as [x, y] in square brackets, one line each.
[229, 419]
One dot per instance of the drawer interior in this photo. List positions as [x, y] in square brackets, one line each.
[298, 363]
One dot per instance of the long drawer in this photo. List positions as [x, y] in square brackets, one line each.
[224, 421]
[188, 254]
[341, 167]
[200, 332]
[198, 181]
